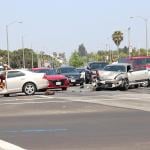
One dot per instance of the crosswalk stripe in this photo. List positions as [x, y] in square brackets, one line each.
[8, 146]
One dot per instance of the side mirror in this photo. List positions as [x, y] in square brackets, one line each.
[131, 70]
[88, 68]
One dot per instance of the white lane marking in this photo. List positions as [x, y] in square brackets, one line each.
[35, 130]
[43, 102]
[41, 97]
[8, 146]
[17, 99]
[44, 96]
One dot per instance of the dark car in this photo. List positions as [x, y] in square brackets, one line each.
[72, 74]
[96, 66]
[87, 74]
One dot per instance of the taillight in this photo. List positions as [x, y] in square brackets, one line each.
[67, 82]
[50, 84]
[44, 77]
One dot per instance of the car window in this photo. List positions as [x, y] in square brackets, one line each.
[116, 68]
[80, 70]
[148, 60]
[67, 70]
[97, 65]
[128, 68]
[47, 71]
[13, 74]
[139, 62]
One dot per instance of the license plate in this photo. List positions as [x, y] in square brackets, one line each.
[103, 82]
[73, 80]
[58, 83]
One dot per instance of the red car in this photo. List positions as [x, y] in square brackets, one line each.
[56, 81]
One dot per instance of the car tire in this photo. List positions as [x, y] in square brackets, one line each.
[136, 86]
[6, 95]
[95, 88]
[125, 85]
[64, 89]
[29, 88]
[148, 84]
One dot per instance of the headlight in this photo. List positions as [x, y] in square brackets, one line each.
[118, 78]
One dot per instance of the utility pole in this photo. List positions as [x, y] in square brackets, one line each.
[146, 31]
[23, 57]
[129, 42]
[7, 39]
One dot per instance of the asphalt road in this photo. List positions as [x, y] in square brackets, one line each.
[77, 119]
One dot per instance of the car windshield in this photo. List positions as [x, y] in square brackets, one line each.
[116, 68]
[97, 65]
[47, 71]
[80, 70]
[67, 70]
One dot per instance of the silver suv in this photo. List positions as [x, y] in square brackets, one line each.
[121, 76]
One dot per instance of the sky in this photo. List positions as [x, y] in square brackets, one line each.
[62, 25]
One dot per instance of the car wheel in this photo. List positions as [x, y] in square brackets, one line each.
[136, 86]
[6, 95]
[29, 88]
[64, 89]
[95, 88]
[125, 85]
[148, 83]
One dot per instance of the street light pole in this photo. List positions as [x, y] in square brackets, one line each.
[23, 58]
[7, 40]
[129, 43]
[8, 61]
[146, 31]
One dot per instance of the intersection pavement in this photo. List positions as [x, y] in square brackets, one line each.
[133, 99]
[75, 100]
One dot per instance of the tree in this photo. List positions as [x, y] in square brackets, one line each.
[76, 60]
[62, 56]
[17, 58]
[117, 37]
[82, 50]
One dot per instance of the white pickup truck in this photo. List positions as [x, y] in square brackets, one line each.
[120, 76]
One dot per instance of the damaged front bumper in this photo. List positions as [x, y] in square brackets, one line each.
[107, 83]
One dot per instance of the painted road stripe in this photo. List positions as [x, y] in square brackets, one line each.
[8, 146]
[41, 97]
[13, 100]
[43, 102]
[35, 130]
[44, 96]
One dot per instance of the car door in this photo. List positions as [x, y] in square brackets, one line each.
[138, 75]
[130, 73]
[15, 80]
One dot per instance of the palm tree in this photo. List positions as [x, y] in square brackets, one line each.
[117, 37]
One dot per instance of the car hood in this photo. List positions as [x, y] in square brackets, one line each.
[55, 77]
[108, 75]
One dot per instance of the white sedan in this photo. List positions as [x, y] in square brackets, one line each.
[23, 81]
